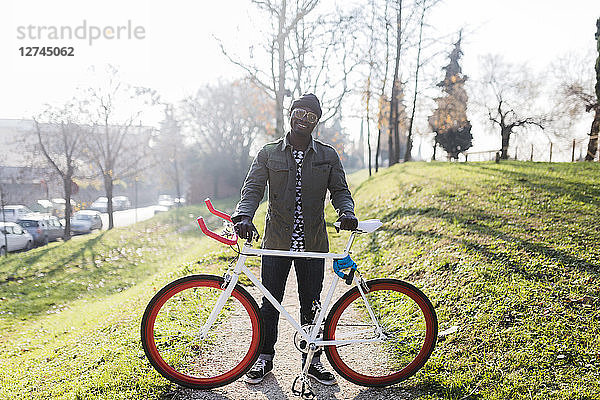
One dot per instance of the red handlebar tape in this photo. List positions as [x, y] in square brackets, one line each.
[212, 234]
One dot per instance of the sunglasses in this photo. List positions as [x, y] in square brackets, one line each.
[300, 114]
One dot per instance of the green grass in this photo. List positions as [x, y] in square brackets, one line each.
[70, 312]
[508, 253]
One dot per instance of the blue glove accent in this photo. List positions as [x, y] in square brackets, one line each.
[343, 263]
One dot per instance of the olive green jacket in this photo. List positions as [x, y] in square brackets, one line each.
[321, 171]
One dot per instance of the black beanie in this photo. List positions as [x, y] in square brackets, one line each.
[310, 101]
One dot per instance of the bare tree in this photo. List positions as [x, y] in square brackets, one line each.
[368, 91]
[169, 150]
[223, 121]
[323, 57]
[284, 18]
[307, 53]
[425, 5]
[382, 100]
[394, 134]
[572, 94]
[59, 139]
[118, 147]
[509, 95]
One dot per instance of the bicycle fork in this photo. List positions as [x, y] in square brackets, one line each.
[227, 286]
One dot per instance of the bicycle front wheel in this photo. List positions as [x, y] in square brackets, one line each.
[409, 332]
[171, 329]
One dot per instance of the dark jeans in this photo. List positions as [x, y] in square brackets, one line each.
[275, 270]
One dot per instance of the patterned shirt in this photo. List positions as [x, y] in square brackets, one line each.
[298, 232]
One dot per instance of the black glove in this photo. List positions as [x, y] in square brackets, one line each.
[245, 228]
[348, 222]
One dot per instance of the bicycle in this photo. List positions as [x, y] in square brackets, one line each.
[380, 332]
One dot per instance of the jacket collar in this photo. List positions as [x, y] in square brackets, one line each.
[285, 143]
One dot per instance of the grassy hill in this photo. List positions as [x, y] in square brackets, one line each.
[508, 254]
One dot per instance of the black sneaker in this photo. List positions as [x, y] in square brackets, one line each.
[258, 371]
[318, 371]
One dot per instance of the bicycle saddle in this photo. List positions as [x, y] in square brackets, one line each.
[367, 226]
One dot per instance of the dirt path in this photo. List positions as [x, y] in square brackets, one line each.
[287, 364]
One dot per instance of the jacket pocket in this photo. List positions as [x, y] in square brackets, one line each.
[278, 177]
[277, 166]
[320, 177]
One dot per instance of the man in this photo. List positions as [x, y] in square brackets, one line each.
[298, 170]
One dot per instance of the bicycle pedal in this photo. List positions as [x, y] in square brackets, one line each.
[305, 391]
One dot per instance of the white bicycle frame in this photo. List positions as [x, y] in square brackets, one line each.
[311, 337]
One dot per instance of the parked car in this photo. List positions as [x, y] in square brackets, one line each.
[13, 213]
[121, 203]
[16, 238]
[165, 200]
[85, 221]
[43, 206]
[59, 207]
[43, 228]
[101, 204]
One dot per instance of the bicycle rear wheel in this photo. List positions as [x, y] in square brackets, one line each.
[171, 326]
[409, 324]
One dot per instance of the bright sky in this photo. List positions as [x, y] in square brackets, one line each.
[177, 53]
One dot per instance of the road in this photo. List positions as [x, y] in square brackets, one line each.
[129, 217]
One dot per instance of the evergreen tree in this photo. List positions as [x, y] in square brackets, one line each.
[449, 120]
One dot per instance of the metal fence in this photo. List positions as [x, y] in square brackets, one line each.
[573, 150]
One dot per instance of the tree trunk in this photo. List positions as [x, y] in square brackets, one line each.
[394, 139]
[397, 81]
[67, 183]
[369, 140]
[505, 141]
[177, 182]
[381, 101]
[434, 148]
[108, 186]
[280, 92]
[377, 150]
[594, 131]
[392, 121]
[396, 133]
[4, 222]
[409, 140]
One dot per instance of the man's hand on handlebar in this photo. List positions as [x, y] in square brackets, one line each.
[245, 229]
[348, 222]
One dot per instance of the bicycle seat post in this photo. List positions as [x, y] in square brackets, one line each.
[350, 242]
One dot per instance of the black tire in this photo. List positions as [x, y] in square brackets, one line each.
[2, 251]
[45, 241]
[29, 246]
[173, 320]
[397, 306]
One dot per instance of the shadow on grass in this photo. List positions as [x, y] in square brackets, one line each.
[476, 221]
[401, 392]
[558, 186]
[51, 287]
[56, 265]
